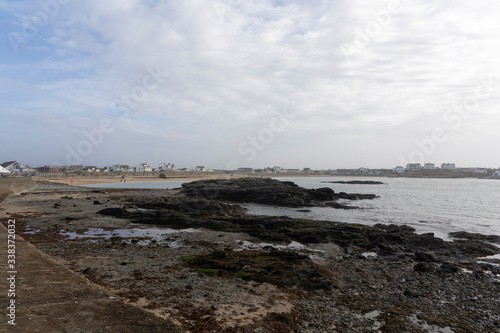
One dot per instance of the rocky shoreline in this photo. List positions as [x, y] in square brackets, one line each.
[356, 182]
[213, 268]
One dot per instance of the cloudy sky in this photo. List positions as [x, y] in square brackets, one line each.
[233, 83]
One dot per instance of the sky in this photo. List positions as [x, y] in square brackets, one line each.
[233, 83]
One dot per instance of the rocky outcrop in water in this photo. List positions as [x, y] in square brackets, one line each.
[475, 237]
[269, 192]
[355, 182]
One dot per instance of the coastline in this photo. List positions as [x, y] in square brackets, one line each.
[370, 292]
[107, 178]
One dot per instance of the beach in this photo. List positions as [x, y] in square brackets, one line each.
[82, 179]
[359, 285]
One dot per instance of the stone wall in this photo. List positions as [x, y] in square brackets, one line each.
[15, 186]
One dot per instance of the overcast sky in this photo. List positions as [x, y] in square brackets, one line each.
[224, 84]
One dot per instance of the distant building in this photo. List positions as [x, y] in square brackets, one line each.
[480, 170]
[413, 167]
[308, 170]
[74, 168]
[429, 166]
[290, 170]
[120, 168]
[167, 167]
[245, 170]
[90, 168]
[448, 166]
[50, 168]
[496, 174]
[363, 170]
[144, 167]
[3, 170]
[16, 167]
[200, 168]
[398, 169]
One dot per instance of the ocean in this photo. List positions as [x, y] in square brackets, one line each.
[440, 206]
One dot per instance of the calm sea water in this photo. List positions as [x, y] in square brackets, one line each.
[428, 205]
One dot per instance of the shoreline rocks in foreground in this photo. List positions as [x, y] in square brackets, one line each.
[213, 204]
[346, 277]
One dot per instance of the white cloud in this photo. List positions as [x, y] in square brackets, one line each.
[231, 64]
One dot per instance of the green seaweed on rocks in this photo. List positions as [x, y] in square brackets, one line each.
[280, 268]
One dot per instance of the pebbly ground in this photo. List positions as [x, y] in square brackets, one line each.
[366, 292]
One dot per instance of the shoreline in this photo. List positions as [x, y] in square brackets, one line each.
[158, 278]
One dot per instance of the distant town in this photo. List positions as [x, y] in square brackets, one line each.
[16, 168]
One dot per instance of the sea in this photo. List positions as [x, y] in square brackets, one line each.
[434, 205]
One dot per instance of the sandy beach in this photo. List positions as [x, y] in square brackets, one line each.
[133, 178]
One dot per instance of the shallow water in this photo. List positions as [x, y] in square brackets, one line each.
[153, 233]
[428, 205]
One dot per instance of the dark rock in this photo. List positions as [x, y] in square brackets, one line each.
[394, 228]
[265, 191]
[449, 267]
[425, 257]
[423, 267]
[355, 182]
[281, 268]
[115, 212]
[356, 196]
[337, 205]
[411, 293]
[96, 202]
[388, 249]
[475, 236]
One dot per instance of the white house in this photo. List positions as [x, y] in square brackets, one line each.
[167, 167]
[413, 167]
[90, 168]
[16, 167]
[398, 169]
[429, 166]
[3, 170]
[448, 166]
[497, 173]
[200, 168]
[363, 170]
[120, 168]
[480, 170]
[144, 167]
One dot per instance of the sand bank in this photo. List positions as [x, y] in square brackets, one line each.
[105, 179]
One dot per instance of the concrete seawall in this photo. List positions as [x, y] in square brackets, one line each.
[15, 186]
